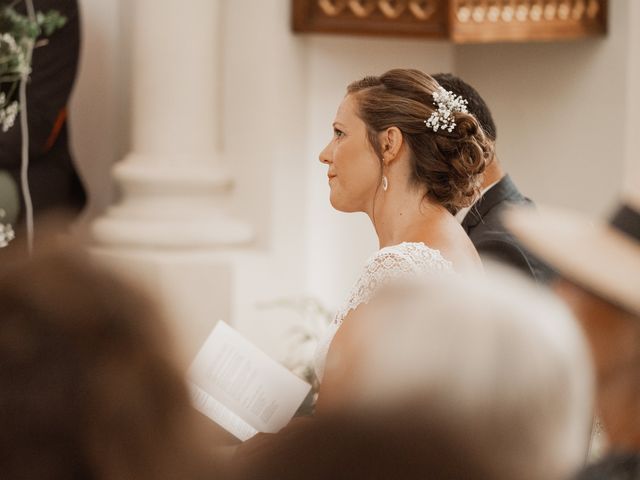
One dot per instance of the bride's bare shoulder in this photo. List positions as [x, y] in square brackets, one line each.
[456, 247]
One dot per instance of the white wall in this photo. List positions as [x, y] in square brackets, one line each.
[100, 101]
[264, 138]
[560, 110]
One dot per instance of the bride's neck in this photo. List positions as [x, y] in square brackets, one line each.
[401, 216]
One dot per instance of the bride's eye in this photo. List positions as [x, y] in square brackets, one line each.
[338, 133]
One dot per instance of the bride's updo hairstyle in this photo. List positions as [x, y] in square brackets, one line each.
[448, 164]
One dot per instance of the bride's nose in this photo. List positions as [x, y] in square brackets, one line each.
[325, 156]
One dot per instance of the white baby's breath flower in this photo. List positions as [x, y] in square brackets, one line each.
[10, 42]
[8, 116]
[447, 103]
[6, 234]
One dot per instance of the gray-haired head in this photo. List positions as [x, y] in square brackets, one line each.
[496, 358]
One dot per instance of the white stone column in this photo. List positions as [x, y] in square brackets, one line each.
[173, 186]
[170, 228]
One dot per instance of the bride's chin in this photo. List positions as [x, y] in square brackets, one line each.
[342, 206]
[334, 204]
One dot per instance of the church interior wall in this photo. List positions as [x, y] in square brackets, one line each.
[560, 109]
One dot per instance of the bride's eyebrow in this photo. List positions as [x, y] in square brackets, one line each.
[337, 124]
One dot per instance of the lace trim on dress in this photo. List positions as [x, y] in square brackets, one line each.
[390, 263]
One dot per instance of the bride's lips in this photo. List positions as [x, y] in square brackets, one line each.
[331, 177]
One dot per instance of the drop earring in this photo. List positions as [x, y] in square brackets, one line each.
[385, 183]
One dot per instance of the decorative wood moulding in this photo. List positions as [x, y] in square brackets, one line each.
[462, 21]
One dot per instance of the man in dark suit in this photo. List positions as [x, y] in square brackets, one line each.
[53, 180]
[482, 221]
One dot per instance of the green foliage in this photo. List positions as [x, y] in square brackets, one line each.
[18, 35]
[50, 22]
[21, 27]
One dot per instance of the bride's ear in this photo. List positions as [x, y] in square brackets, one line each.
[390, 142]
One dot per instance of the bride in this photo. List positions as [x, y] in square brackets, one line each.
[406, 152]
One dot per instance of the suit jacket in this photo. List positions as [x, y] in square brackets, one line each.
[484, 226]
[53, 179]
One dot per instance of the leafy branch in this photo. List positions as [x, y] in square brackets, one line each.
[18, 35]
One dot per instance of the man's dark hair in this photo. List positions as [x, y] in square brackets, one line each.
[477, 106]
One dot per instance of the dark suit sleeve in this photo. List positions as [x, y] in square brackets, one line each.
[53, 72]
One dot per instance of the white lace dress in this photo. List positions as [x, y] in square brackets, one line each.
[396, 262]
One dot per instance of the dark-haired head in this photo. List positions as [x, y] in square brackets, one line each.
[448, 165]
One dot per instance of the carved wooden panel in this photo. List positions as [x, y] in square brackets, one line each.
[525, 20]
[463, 21]
[377, 17]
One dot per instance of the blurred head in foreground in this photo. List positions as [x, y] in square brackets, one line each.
[87, 385]
[353, 445]
[495, 360]
[600, 265]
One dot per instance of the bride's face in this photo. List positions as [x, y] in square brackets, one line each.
[354, 168]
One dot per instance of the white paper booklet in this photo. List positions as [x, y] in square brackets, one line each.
[241, 388]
